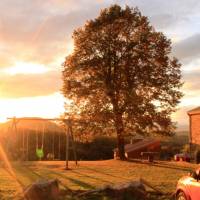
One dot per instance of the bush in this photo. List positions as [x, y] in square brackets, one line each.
[197, 156]
[186, 148]
[100, 148]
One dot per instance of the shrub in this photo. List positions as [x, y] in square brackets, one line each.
[100, 148]
[197, 156]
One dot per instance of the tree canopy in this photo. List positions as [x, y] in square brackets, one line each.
[121, 75]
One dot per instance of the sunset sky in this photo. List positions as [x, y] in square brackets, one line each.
[35, 37]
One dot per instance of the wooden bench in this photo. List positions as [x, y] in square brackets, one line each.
[150, 155]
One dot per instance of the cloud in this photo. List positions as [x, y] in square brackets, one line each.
[181, 117]
[193, 78]
[152, 7]
[41, 30]
[188, 48]
[192, 84]
[5, 60]
[30, 85]
[168, 21]
[163, 20]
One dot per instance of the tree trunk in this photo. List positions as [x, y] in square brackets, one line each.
[120, 144]
[120, 138]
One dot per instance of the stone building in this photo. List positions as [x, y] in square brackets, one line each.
[194, 121]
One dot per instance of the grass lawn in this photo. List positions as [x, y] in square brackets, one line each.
[92, 174]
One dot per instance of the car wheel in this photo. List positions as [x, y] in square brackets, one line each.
[181, 196]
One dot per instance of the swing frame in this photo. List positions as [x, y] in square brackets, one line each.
[68, 132]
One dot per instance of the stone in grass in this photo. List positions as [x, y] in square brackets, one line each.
[127, 191]
[42, 190]
[131, 190]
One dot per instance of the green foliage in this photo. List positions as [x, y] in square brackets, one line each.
[186, 148]
[97, 148]
[121, 75]
[174, 145]
[32, 147]
[197, 156]
[100, 148]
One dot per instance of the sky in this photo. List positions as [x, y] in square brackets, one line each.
[35, 38]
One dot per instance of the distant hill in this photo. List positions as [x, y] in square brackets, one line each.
[182, 129]
[36, 124]
[183, 132]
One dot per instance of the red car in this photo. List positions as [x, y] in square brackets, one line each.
[188, 187]
[182, 157]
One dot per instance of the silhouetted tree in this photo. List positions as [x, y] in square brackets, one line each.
[121, 75]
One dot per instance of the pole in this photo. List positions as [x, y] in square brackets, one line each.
[23, 145]
[59, 157]
[53, 147]
[27, 146]
[67, 147]
[73, 142]
[16, 139]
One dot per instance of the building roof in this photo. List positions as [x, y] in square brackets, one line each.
[194, 111]
[140, 145]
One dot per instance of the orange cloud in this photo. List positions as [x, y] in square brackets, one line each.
[30, 85]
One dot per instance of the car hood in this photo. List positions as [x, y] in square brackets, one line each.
[185, 180]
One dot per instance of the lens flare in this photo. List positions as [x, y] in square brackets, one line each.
[6, 161]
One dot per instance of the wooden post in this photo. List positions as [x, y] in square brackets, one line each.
[16, 141]
[23, 144]
[53, 147]
[59, 146]
[36, 142]
[68, 134]
[190, 134]
[73, 144]
[27, 146]
[67, 147]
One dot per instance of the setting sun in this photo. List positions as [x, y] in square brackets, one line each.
[26, 68]
[43, 106]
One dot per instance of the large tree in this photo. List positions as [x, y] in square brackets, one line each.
[122, 75]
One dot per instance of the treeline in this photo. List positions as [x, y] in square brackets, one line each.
[100, 148]
[23, 146]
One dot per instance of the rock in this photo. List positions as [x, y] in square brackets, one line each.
[131, 190]
[42, 190]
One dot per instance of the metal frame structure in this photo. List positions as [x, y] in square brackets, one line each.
[69, 134]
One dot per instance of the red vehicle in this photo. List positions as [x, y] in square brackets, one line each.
[182, 157]
[188, 187]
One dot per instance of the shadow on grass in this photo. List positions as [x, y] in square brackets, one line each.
[91, 177]
[162, 164]
[107, 174]
[24, 173]
[80, 183]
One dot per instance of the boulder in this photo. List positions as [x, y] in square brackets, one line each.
[42, 190]
[131, 190]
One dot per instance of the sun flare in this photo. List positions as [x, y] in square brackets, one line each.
[43, 106]
[26, 68]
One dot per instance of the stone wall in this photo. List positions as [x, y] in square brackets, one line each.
[195, 129]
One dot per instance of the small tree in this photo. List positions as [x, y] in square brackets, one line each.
[121, 75]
